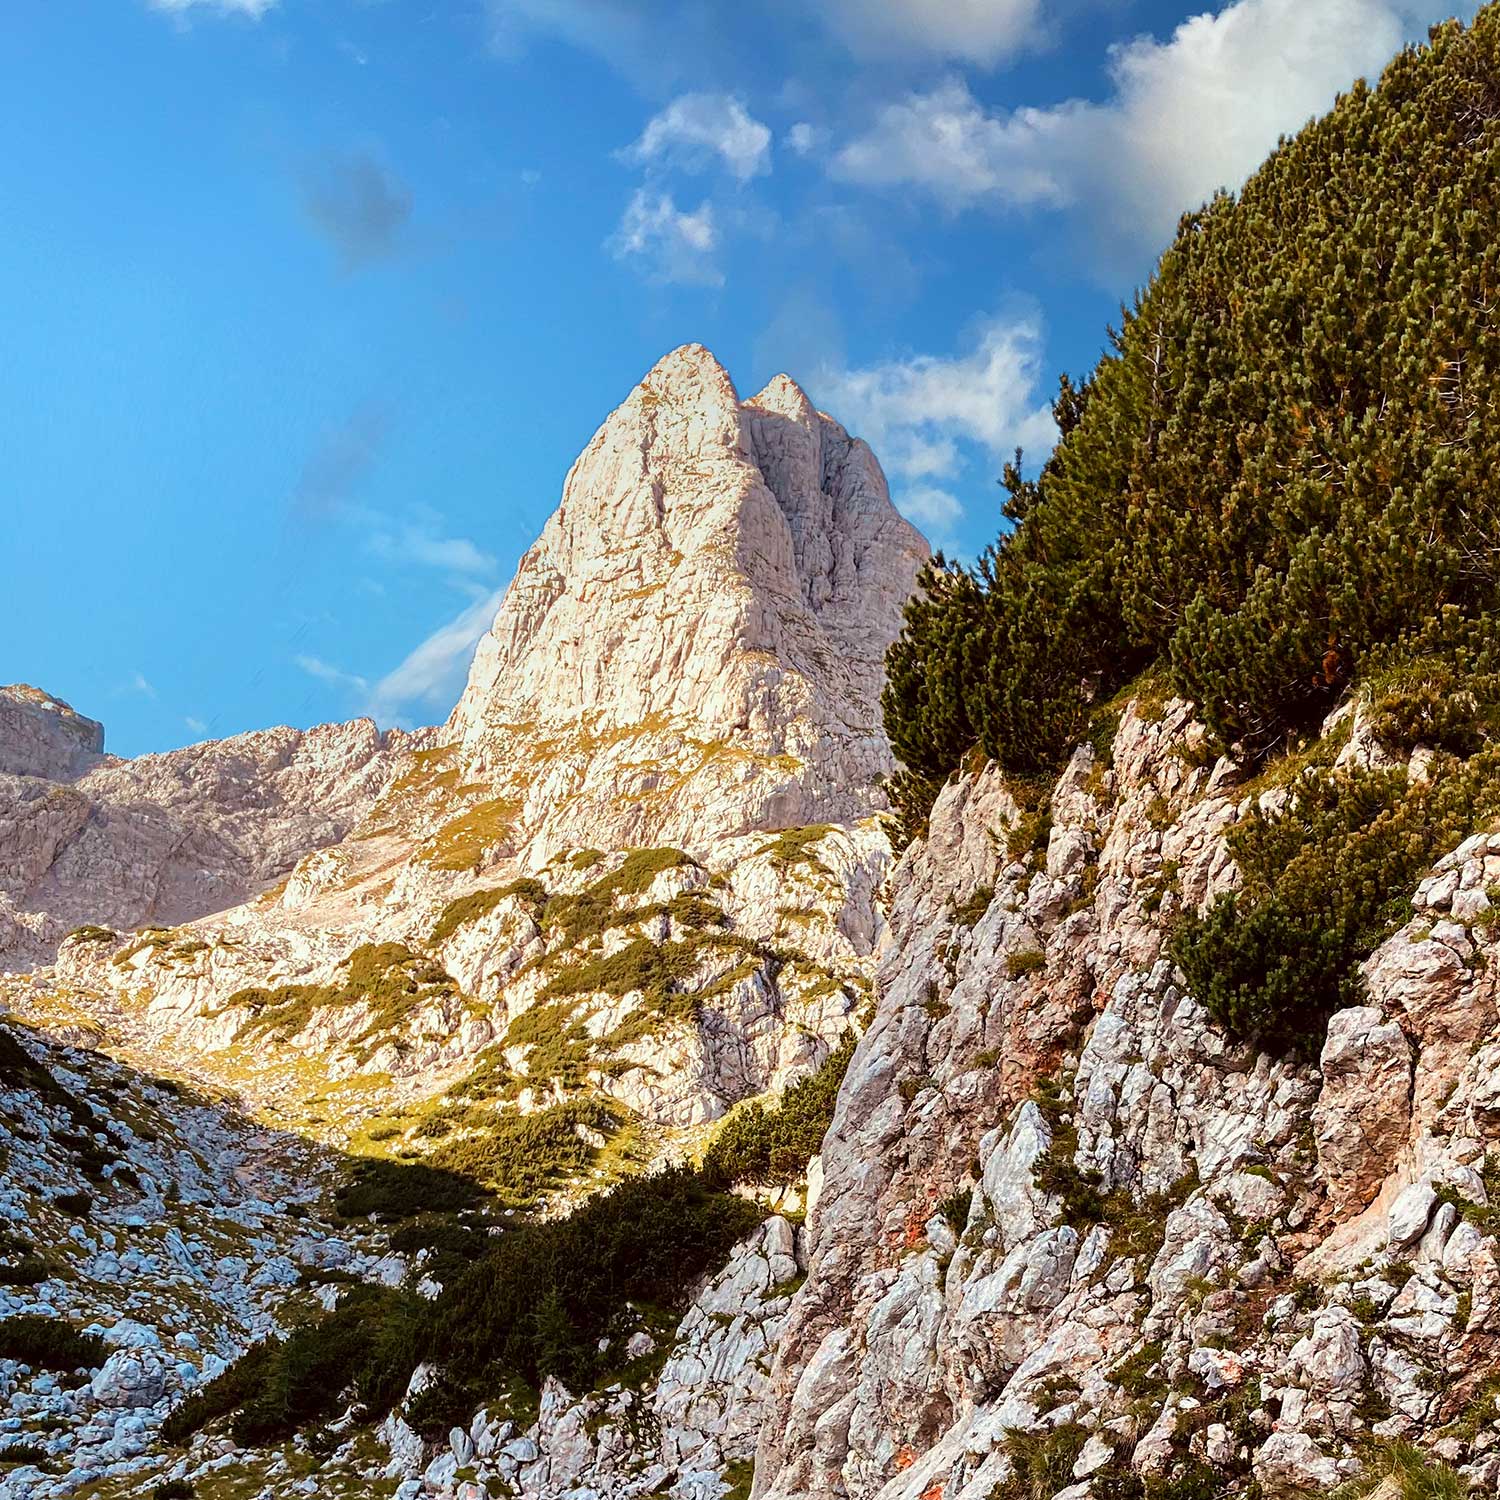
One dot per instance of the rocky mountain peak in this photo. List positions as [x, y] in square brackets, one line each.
[720, 574]
[42, 736]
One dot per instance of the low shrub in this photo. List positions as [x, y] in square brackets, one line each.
[1325, 878]
[23, 1453]
[769, 1146]
[520, 1156]
[402, 1190]
[47, 1343]
[477, 904]
[30, 1270]
[367, 1345]
[1041, 1462]
[174, 1489]
[76, 1204]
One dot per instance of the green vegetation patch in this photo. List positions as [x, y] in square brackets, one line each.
[393, 1190]
[534, 1301]
[798, 846]
[1285, 461]
[479, 904]
[463, 843]
[521, 1156]
[1415, 1475]
[591, 912]
[367, 1344]
[47, 1343]
[769, 1146]
[1325, 878]
[389, 978]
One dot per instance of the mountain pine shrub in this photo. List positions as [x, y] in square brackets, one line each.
[1287, 461]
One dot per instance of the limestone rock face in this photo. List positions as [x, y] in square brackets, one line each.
[42, 736]
[171, 837]
[639, 867]
[694, 646]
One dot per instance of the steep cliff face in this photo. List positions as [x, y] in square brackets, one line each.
[693, 647]
[1073, 1240]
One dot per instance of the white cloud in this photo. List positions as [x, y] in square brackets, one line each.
[915, 412]
[255, 9]
[976, 31]
[697, 128]
[936, 511]
[1185, 117]
[411, 544]
[947, 143]
[925, 415]
[196, 725]
[803, 138]
[137, 683]
[433, 673]
[668, 243]
[315, 666]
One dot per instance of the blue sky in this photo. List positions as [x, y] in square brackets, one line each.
[308, 304]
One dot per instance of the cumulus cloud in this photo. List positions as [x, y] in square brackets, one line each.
[665, 243]
[255, 9]
[432, 675]
[915, 412]
[804, 138]
[975, 31]
[1184, 117]
[358, 205]
[695, 130]
[924, 415]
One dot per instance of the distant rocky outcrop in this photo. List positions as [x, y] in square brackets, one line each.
[168, 838]
[42, 736]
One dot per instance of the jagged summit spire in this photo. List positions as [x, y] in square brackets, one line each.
[726, 573]
[785, 397]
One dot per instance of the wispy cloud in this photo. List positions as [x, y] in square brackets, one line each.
[927, 416]
[697, 130]
[195, 724]
[358, 205]
[666, 243]
[138, 684]
[410, 543]
[334, 676]
[432, 675]
[254, 9]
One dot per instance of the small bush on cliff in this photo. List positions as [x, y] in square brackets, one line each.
[1325, 878]
[770, 1146]
[1285, 462]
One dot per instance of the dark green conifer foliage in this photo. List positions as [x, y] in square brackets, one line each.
[1289, 456]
